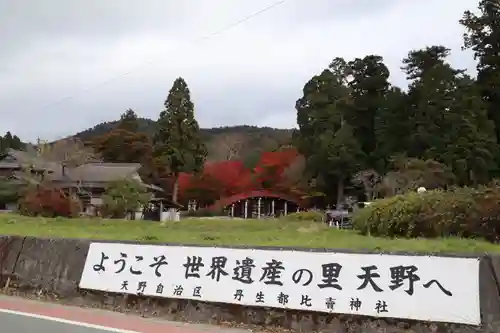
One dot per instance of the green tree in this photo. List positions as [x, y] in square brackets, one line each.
[124, 196]
[326, 140]
[482, 36]
[343, 154]
[125, 143]
[10, 190]
[475, 150]
[251, 160]
[369, 88]
[11, 141]
[129, 121]
[392, 127]
[177, 142]
[449, 120]
[430, 93]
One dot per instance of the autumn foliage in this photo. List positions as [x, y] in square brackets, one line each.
[48, 202]
[224, 179]
[124, 146]
[121, 145]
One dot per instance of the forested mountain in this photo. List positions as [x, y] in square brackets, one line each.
[229, 142]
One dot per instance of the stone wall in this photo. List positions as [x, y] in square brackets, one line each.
[37, 266]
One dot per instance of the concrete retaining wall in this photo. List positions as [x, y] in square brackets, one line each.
[47, 266]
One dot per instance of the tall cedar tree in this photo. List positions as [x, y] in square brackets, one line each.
[483, 38]
[368, 80]
[177, 141]
[449, 120]
[392, 128]
[327, 141]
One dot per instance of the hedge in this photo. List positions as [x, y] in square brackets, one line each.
[310, 216]
[463, 212]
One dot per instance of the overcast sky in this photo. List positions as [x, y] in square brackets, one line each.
[250, 74]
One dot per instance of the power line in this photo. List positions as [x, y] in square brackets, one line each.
[200, 39]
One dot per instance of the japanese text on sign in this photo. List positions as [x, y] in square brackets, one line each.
[414, 287]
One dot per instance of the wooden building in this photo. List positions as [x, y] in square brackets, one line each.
[88, 181]
[259, 204]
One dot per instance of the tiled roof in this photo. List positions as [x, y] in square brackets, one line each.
[101, 172]
[91, 172]
[23, 158]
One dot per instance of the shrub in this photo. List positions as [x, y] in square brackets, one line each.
[48, 202]
[9, 191]
[463, 212]
[123, 196]
[305, 216]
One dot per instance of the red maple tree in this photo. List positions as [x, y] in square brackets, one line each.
[227, 178]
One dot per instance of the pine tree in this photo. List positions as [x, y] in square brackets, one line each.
[344, 155]
[483, 38]
[128, 121]
[430, 93]
[125, 143]
[392, 127]
[369, 83]
[177, 142]
[332, 152]
[449, 119]
[477, 145]
[11, 141]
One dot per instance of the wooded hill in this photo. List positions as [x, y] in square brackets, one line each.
[223, 143]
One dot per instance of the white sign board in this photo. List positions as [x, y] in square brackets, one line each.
[424, 288]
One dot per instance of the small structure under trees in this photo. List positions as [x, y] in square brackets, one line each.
[258, 204]
[267, 188]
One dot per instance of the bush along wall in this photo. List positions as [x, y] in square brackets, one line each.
[463, 212]
[310, 216]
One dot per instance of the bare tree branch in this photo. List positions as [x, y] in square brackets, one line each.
[228, 147]
[369, 179]
[44, 159]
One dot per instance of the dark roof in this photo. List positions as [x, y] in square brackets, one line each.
[99, 172]
[224, 202]
[91, 172]
[22, 158]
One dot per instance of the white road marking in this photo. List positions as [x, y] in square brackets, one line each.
[64, 321]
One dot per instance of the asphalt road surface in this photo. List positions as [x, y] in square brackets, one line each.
[22, 324]
[18, 315]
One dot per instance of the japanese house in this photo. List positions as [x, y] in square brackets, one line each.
[88, 181]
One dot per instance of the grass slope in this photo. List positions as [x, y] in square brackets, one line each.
[231, 232]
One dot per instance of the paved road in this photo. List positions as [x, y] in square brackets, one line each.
[21, 324]
[19, 315]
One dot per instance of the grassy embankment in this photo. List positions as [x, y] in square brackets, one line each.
[231, 232]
